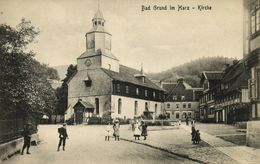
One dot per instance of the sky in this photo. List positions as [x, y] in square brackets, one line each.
[158, 39]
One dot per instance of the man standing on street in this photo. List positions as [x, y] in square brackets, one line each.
[63, 136]
[27, 138]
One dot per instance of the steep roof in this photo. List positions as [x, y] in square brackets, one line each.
[168, 86]
[213, 75]
[98, 15]
[237, 76]
[127, 74]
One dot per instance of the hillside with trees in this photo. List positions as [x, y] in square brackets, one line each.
[191, 71]
[24, 86]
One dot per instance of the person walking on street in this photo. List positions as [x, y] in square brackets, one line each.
[116, 127]
[108, 132]
[144, 130]
[63, 135]
[187, 120]
[27, 138]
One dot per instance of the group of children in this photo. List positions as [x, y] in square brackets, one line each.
[139, 128]
[112, 132]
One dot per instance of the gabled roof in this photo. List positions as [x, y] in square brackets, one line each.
[127, 74]
[85, 104]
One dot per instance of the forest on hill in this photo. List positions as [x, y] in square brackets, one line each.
[191, 71]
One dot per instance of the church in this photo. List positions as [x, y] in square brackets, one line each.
[102, 86]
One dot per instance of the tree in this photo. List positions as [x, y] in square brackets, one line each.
[62, 92]
[24, 86]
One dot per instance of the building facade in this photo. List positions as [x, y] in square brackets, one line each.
[103, 87]
[209, 82]
[252, 56]
[181, 101]
[231, 95]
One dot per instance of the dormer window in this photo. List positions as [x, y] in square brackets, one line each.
[87, 81]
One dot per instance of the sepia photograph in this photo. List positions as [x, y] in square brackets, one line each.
[129, 81]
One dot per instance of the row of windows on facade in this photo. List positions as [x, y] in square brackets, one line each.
[228, 98]
[255, 16]
[146, 107]
[207, 97]
[118, 89]
[178, 105]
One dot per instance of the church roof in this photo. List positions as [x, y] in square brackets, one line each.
[96, 53]
[127, 74]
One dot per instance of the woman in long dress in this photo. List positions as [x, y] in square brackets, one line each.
[144, 130]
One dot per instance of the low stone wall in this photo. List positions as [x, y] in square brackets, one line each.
[10, 148]
[253, 134]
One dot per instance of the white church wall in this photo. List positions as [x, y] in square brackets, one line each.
[128, 106]
[110, 64]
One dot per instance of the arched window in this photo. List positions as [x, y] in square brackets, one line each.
[155, 109]
[97, 105]
[136, 107]
[119, 106]
[95, 23]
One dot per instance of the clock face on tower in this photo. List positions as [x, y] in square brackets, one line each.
[88, 62]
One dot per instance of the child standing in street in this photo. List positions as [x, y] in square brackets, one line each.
[108, 132]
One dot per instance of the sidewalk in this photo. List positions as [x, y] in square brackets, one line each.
[178, 142]
[241, 154]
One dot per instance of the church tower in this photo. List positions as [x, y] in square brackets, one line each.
[98, 47]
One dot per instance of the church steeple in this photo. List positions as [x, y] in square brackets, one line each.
[98, 47]
[98, 19]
